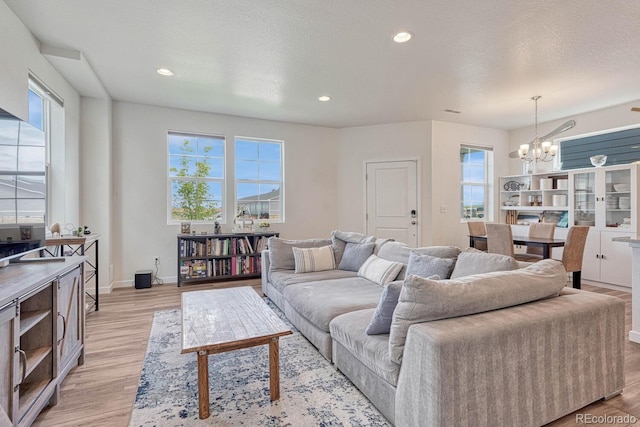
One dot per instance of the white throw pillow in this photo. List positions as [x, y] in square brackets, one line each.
[309, 260]
[380, 271]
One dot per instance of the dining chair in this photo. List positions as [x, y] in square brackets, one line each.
[537, 229]
[499, 239]
[574, 251]
[477, 228]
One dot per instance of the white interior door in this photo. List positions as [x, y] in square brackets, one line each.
[392, 201]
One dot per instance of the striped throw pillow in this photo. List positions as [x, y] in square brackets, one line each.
[309, 260]
[380, 271]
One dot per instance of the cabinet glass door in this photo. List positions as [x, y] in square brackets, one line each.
[618, 198]
[584, 198]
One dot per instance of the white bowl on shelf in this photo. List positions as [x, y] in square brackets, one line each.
[598, 160]
[621, 187]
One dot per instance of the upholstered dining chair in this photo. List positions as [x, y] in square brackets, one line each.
[537, 229]
[573, 252]
[477, 228]
[499, 239]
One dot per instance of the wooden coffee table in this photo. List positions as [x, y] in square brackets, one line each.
[220, 320]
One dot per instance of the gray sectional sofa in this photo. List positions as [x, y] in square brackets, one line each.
[495, 342]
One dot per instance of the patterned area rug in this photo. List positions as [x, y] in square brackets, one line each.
[312, 391]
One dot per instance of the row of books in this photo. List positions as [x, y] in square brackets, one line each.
[199, 268]
[222, 247]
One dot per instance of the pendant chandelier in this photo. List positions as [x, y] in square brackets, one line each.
[540, 151]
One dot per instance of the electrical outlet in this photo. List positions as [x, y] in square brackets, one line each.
[156, 260]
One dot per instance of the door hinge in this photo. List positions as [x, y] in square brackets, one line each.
[366, 216]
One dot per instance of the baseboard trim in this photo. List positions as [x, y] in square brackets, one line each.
[607, 286]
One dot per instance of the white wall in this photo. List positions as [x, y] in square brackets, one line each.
[96, 192]
[595, 121]
[448, 229]
[396, 141]
[437, 146]
[140, 229]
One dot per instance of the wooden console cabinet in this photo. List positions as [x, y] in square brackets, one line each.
[41, 334]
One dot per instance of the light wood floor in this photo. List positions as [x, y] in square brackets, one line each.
[102, 391]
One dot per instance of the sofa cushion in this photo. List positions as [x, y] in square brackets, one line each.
[399, 252]
[320, 302]
[371, 350]
[281, 251]
[469, 263]
[424, 300]
[282, 278]
[379, 271]
[426, 265]
[355, 254]
[308, 260]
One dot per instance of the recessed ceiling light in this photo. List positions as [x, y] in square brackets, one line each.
[324, 98]
[449, 110]
[165, 72]
[402, 36]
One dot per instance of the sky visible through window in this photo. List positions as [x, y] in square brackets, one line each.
[473, 176]
[257, 161]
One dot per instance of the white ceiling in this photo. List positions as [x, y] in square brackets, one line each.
[271, 59]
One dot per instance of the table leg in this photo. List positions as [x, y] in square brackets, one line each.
[576, 279]
[203, 384]
[274, 369]
[546, 252]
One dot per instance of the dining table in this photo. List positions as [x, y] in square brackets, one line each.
[542, 242]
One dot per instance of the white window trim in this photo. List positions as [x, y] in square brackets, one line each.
[252, 181]
[488, 183]
[223, 180]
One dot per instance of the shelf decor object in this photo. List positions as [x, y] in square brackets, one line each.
[598, 160]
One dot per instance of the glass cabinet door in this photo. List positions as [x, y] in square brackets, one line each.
[618, 198]
[584, 198]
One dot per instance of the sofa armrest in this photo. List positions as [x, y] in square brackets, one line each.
[525, 365]
[265, 264]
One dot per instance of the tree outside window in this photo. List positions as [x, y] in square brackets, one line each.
[196, 177]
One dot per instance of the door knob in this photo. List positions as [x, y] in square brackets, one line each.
[413, 223]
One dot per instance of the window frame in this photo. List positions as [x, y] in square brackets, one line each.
[171, 179]
[16, 172]
[280, 183]
[487, 184]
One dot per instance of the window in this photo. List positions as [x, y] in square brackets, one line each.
[476, 164]
[259, 178]
[196, 177]
[22, 166]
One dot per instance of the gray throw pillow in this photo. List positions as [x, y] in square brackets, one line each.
[427, 265]
[355, 254]
[382, 317]
[469, 263]
[339, 240]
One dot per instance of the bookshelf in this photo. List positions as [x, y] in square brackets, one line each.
[214, 257]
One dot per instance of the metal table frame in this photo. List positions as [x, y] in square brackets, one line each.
[80, 246]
